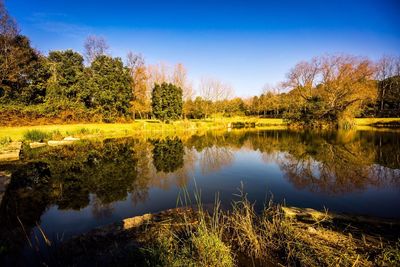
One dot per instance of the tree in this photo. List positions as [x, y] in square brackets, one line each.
[8, 32]
[23, 70]
[107, 88]
[196, 109]
[141, 95]
[95, 46]
[36, 90]
[332, 88]
[387, 69]
[67, 70]
[167, 101]
[389, 96]
[347, 82]
[179, 78]
[24, 73]
[303, 78]
[234, 106]
[214, 91]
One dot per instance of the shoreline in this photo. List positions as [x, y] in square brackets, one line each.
[117, 242]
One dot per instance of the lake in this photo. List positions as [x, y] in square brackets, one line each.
[65, 191]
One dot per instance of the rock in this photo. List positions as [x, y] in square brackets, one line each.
[37, 144]
[11, 151]
[66, 141]
[136, 221]
[59, 143]
[70, 138]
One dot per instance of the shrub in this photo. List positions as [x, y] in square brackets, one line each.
[36, 135]
[4, 141]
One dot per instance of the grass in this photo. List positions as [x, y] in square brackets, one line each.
[374, 121]
[36, 135]
[197, 242]
[126, 129]
[57, 132]
[243, 237]
[4, 141]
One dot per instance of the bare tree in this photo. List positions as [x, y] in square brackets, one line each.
[179, 78]
[303, 77]
[8, 31]
[386, 67]
[213, 90]
[8, 26]
[95, 46]
[158, 74]
[134, 61]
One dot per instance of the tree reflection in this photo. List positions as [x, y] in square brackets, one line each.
[332, 164]
[99, 209]
[214, 158]
[168, 154]
[110, 170]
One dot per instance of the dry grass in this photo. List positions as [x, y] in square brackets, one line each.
[195, 240]
[241, 237]
[193, 236]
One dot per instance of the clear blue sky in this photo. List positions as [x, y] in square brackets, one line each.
[245, 43]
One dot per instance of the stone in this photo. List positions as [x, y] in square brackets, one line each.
[136, 221]
[59, 143]
[70, 138]
[11, 151]
[37, 144]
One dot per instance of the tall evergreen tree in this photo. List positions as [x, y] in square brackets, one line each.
[167, 101]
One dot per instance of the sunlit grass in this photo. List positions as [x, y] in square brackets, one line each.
[127, 129]
[155, 126]
[371, 121]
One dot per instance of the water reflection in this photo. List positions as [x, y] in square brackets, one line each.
[101, 174]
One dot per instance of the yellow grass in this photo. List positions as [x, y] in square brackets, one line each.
[370, 121]
[155, 126]
[137, 127]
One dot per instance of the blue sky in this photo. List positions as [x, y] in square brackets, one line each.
[244, 43]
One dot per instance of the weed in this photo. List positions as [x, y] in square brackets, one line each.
[5, 140]
[36, 135]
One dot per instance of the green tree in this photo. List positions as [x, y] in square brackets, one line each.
[66, 68]
[24, 79]
[106, 87]
[24, 73]
[167, 101]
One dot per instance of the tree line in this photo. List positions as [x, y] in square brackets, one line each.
[96, 86]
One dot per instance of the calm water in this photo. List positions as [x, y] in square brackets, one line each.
[70, 190]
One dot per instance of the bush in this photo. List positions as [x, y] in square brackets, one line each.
[36, 135]
[4, 141]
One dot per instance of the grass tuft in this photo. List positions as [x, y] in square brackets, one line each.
[36, 135]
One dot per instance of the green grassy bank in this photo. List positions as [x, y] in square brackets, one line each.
[126, 129]
[58, 131]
